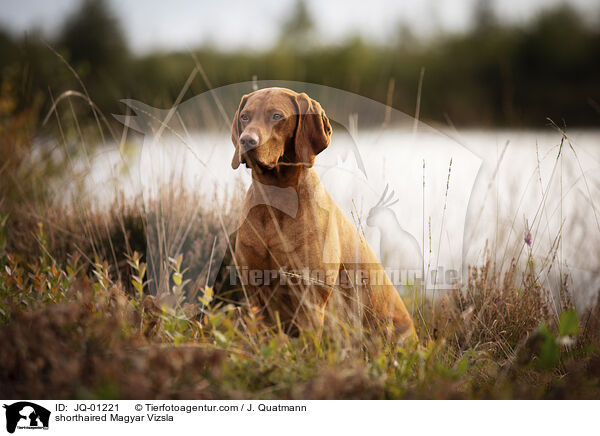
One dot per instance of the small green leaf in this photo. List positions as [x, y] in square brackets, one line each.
[177, 279]
[549, 351]
[266, 351]
[208, 293]
[568, 325]
[462, 366]
[549, 354]
[142, 270]
[220, 337]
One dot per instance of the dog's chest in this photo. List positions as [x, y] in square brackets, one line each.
[268, 235]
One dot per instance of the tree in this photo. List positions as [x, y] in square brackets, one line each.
[298, 31]
[92, 35]
[484, 15]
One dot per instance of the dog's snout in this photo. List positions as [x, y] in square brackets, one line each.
[249, 141]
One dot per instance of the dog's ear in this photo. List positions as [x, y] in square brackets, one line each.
[236, 130]
[313, 130]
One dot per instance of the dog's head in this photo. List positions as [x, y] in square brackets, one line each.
[277, 126]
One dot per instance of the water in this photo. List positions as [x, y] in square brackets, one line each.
[456, 191]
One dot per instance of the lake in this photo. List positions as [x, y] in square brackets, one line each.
[457, 192]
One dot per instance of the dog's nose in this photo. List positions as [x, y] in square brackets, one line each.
[249, 141]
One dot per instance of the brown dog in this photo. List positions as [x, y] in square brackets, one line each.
[295, 250]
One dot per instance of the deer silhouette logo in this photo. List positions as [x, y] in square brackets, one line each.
[400, 253]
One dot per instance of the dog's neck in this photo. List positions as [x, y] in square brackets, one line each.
[289, 192]
[277, 189]
[282, 176]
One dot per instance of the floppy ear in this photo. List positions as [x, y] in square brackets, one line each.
[313, 131]
[236, 130]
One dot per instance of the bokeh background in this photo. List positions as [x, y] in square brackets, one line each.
[486, 63]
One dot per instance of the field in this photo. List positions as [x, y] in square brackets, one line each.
[75, 326]
[77, 319]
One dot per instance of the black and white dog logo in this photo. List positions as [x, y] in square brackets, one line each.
[26, 415]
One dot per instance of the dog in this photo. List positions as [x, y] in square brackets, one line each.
[291, 228]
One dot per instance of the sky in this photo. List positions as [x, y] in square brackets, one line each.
[231, 24]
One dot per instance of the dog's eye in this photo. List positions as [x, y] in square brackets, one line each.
[244, 117]
[277, 117]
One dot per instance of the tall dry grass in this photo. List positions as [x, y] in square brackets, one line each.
[82, 299]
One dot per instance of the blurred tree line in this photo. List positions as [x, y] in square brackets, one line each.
[497, 74]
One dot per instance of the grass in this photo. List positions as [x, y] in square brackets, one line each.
[79, 317]
[70, 324]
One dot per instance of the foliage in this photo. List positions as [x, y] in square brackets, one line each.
[68, 330]
[497, 74]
